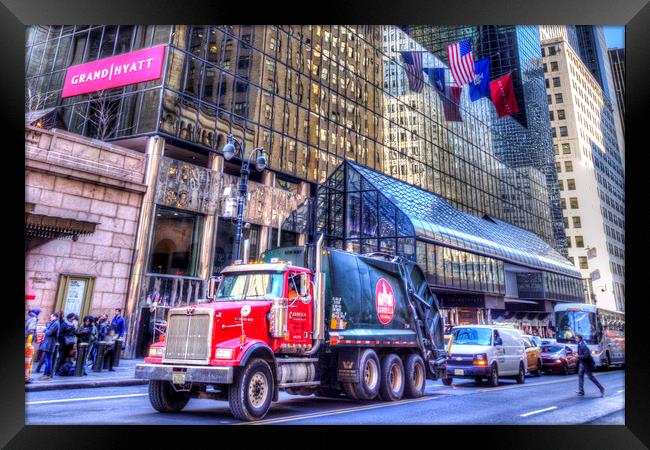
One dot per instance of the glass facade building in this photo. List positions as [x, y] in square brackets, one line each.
[312, 96]
[524, 139]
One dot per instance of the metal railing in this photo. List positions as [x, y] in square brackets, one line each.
[173, 290]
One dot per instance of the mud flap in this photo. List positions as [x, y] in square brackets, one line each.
[348, 365]
[438, 368]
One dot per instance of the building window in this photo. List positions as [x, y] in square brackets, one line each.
[560, 114]
[566, 222]
[566, 148]
[175, 245]
[545, 67]
[553, 132]
[561, 183]
[583, 262]
[558, 167]
[546, 83]
[568, 242]
[573, 201]
[551, 51]
[576, 222]
[555, 149]
[568, 166]
[554, 66]
[571, 184]
[556, 81]
[551, 115]
[549, 99]
[558, 98]
[572, 260]
[564, 132]
[563, 202]
[580, 241]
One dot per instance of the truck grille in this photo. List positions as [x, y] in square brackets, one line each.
[188, 337]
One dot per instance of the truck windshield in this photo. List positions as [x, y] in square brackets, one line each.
[250, 286]
[472, 336]
[572, 323]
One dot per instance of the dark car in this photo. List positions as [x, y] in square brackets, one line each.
[559, 358]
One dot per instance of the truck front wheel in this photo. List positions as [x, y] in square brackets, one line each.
[367, 387]
[164, 398]
[251, 393]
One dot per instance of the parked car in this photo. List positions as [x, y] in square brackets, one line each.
[535, 339]
[559, 358]
[486, 351]
[548, 341]
[533, 355]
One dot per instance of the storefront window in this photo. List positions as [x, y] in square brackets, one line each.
[223, 247]
[175, 245]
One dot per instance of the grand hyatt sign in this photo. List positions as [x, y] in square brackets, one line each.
[121, 70]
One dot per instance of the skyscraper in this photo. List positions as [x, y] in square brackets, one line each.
[590, 171]
[527, 143]
[617, 63]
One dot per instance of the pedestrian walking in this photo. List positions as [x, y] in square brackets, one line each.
[31, 323]
[67, 338]
[587, 365]
[118, 322]
[48, 345]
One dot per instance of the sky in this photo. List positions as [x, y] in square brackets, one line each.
[614, 36]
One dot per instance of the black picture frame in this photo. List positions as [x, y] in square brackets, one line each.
[634, 14]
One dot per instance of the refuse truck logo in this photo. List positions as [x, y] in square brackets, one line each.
[384, 301]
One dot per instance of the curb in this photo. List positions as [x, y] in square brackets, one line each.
[85, 384]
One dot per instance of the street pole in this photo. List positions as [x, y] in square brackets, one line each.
[241, 201]
[229, 151]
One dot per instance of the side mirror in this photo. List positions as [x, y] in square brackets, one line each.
[304, 285]
[213, 285]
[498, 341]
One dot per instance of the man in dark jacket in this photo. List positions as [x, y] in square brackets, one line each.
[48, 345]
[586, 366]
[67, 338]
[118, 323]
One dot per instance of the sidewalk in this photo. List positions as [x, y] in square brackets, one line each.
[123, 376]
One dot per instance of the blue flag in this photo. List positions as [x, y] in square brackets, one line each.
[436, 77]
[480, 86]
[450, 96]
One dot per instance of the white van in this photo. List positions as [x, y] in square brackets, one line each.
[486, 351]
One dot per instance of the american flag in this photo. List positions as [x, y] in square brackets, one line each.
[461, 62]
[413, 61]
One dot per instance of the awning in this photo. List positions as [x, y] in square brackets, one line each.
[433, 218]
[48, 227]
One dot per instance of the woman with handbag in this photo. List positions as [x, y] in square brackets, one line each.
[67, 338]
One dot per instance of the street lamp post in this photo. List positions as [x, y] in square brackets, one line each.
[229, 150]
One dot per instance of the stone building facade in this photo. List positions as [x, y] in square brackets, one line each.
[82, 200]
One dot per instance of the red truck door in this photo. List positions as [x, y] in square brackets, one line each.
[299, 314]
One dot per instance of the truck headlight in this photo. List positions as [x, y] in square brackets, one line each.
[156, 351]
[224, 353]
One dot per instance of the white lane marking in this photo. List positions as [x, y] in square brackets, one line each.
[336, 411]
[538, 411]
[40, 402]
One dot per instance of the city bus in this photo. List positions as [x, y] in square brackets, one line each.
[602, 330]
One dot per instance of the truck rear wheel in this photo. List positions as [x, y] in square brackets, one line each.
[367, 387]
[251, 393]
[164, 398]
[392, 383]
[416, 376]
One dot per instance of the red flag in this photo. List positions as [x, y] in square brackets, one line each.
[503, 96]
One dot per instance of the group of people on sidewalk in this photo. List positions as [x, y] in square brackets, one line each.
[68, 332]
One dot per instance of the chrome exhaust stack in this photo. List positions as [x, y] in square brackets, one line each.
[319, 301]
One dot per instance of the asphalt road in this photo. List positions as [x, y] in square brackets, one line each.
[550, 399]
